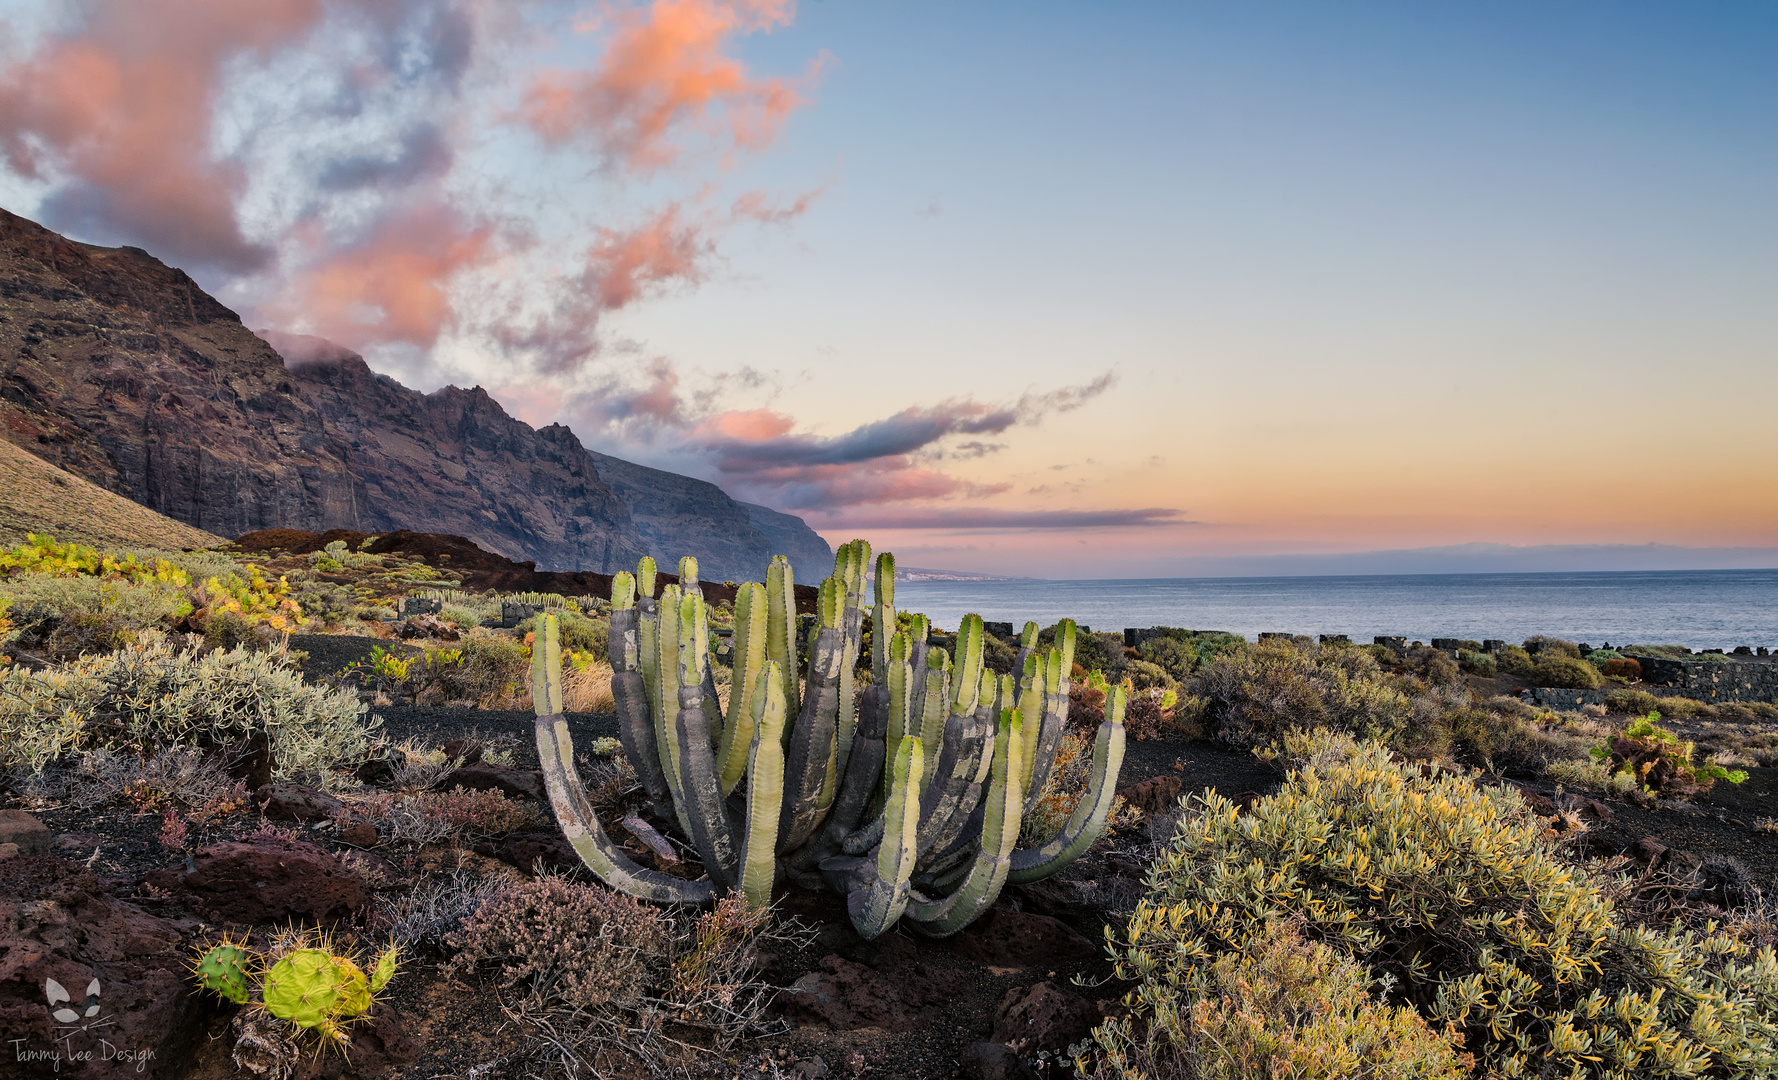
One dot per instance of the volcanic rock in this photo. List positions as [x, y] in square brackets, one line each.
[18, 827]
[995, 1061]
[114, 960]
[265, 880]
[847, 996]
[1043, 1017]
[1008, 938]
[1154, 794]
[486, 776]
[295, 802]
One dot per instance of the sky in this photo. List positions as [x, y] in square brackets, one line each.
[1065, 290]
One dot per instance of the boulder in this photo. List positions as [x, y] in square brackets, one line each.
[122, 971]
[31, 835]
[995, 1061]
[1043, 1017]
[847, 996]
[468, 750]
[265, 881]
[294, 802]
[428, 626]
[1153, 795]
[1008, 938]
[523, 849]
[486, 776]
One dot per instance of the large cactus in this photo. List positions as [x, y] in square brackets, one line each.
[906, 797]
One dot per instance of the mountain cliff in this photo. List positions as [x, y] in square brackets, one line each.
[124, 372]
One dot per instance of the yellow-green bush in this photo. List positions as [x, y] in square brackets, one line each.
[40, 554]
[1287, 1008]
[1514, 661]
[1540, 646]
[1459, 897]
[1556, 670]
[64, 615]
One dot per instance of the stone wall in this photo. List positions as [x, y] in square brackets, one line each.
[1707, 681]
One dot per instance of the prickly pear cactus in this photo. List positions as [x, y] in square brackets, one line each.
[384, 970]
[222, 969]
[304, 988]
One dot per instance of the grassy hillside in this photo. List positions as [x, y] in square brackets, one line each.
[35, 496]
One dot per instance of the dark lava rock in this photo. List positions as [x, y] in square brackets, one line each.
[995, 1061]
[31, 835]
[469, 750]
[1008, 938]
[847, 996]
[266, 881]
[428, 626]
[1153, 795]
[362, 834]
[486, 776]
[523, 849]
[380, 769]
[378, 1044]
[294, 802]
[1043, 1017]
[114, 960]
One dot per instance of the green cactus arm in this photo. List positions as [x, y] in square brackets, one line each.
[932, 712]
[749, 661]
[898, 677]
[1066, 632]
[664, 699]
[781, 632]
[623, 591]
[624, 644]
[765, 789]
[552, 663]
[540, 671]
[1054, 723]
[1087, 823]
[947, 801]
[699, 795]
[567, 797]
[1028, 639]
[1030, 703]
[635, 729]
[966, 680]
[303, 988]
[645, 571]
[877, 907]
[809, 763]
[882, 627]
[1000, 832]
[688, 575]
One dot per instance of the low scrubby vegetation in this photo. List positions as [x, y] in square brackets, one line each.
[1455, 898]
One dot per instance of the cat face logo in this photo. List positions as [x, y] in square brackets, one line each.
[58, 995]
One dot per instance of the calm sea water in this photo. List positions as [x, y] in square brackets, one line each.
[1702, 609]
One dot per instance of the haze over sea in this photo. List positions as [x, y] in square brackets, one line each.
[1698, 608]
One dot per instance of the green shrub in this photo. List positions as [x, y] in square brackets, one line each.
[152, 695]
[1537, 645]
[578, 633]
[1677, 652]
[1143, 675]
[1514, 661]
[1600, 657]
[1567, 672]
[1433, 665]
[1632, 702]
[1171, 655]
[1255, 694]
[325, 602]
[1287, 1008]
[40, 554]
[1461, 898]
[1477, 663]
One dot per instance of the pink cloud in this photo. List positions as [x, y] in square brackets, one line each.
[665, 68]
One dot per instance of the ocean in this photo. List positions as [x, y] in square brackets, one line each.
[1700, 609]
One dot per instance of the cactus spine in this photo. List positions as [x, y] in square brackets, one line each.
[906, 797]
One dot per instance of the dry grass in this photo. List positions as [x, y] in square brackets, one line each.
[35, 496]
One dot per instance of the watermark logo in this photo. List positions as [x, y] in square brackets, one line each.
[87, 1021]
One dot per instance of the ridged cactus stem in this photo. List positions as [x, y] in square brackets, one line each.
[781, 633]
[877, 907]
[966, 680]
[705, 812]
[1000, 832]
[933, 703]
[765, 788]
[1030, 703]
[882, 625]
[666, 701]
[749, 662]
[852, 622]
[808, 764]
[1054, 721]
[1087, 823]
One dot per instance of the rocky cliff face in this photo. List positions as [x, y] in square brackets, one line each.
[453, 461]
[789, 535]
[121, 370]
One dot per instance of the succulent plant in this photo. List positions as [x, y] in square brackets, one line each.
[305, 989]
[224, 970]
[906, 797]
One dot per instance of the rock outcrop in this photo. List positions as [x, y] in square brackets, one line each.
[791, 536]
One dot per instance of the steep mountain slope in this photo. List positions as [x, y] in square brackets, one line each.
[121, 370]
[790, 535]
[453, 461]
[678, 515]
[37, 497]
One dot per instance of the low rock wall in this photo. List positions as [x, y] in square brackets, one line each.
[1706, 681]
